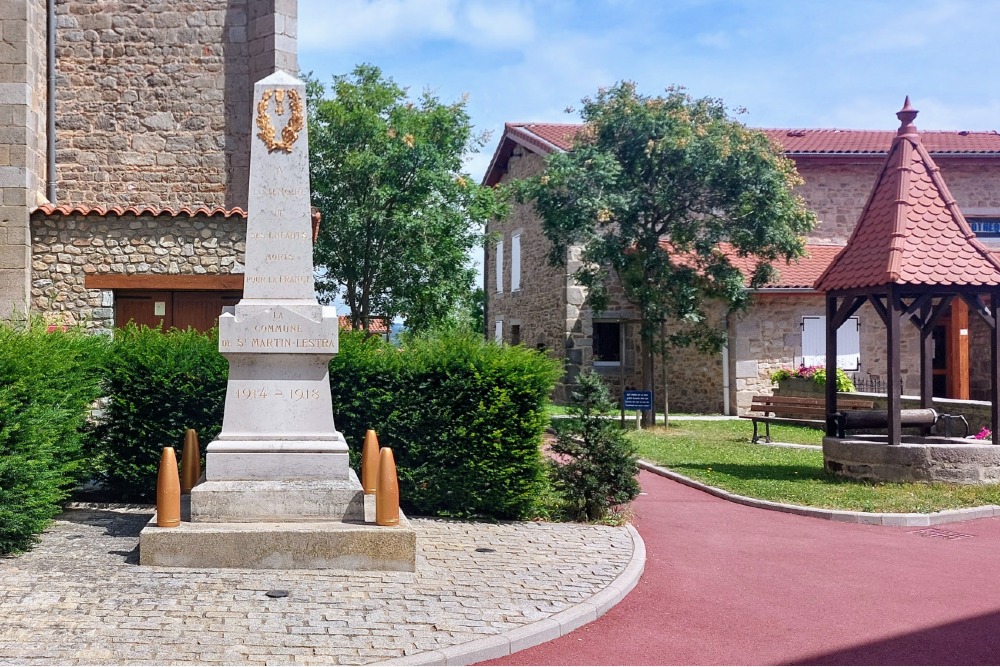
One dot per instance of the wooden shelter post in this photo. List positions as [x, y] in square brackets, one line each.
[893, 375]
[995, 367]
[831, 364]
[926, 360]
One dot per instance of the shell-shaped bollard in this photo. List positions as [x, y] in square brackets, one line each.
[387, 490]
[168, 491]
[190, 461]
[369, 463]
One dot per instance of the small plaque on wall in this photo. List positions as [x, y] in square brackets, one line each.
[159, 308]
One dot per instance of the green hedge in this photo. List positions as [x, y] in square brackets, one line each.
[157, 385]
[464, 419]
[48, 382]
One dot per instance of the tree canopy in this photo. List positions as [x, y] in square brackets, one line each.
[399, 216]
[661, 192]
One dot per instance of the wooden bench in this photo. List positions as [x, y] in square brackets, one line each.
[795, 410]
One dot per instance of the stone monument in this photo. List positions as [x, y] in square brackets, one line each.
[277, 479]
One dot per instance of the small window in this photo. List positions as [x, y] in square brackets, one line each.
[499, 259]
[985, 227]
[515, 263]
[498, 332]
[515, 334]
[814, 343]
[607, 339]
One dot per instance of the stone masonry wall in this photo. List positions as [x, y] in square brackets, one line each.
[22, 142]
[836, 190]
[66, 249]
[153, 97]
[765, 339]
[538, 307]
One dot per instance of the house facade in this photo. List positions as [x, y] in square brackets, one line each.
[532, 303]
[124, 154]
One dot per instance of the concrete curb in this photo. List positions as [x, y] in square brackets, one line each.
[867, 518]
[532, 634]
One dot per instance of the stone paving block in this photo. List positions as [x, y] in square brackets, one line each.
[124, 613]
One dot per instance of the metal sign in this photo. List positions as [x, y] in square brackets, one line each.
[637, 400]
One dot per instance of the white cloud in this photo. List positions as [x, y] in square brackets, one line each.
[352, 24]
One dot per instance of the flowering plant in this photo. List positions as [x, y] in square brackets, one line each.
[984, 434]
[815, 373]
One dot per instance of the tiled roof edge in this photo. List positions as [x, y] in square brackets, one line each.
[118, 211]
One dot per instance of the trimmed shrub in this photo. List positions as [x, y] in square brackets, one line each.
[464, 418]
[157, 385]
[596, 466]
[47, 383]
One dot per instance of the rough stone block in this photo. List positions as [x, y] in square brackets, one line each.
[295, 500]
[280, 546]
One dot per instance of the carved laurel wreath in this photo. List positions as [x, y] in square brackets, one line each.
[291, 130]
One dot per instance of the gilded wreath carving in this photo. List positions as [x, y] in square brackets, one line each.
[289, 133]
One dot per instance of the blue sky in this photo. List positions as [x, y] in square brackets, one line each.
[789, 63]
[800, 63]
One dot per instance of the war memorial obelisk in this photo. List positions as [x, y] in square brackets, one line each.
[278, 489]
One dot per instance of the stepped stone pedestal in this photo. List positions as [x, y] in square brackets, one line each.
[278, 490]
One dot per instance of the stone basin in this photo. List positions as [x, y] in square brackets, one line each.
[915, 459]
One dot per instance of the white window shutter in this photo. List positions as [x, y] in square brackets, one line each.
[814, 343]
[515, 263]
[498, 335]
[499, 260]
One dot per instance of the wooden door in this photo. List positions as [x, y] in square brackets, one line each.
[166, 309]
[151, 309]
[200, 310]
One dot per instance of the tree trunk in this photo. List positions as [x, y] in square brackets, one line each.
[648, 416]
[663, 368]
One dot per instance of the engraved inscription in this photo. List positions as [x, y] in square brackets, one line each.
[281, 394]
[279, 257]
[277, 279]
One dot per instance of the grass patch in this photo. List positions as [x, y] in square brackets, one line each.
[719, 453]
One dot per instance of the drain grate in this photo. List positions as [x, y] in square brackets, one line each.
[940, 534]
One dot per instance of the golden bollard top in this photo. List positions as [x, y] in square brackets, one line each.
[387, 493]
[369, 463]
[190, 461]
[168, 491]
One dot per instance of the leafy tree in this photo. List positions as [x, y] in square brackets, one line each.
[595, 468]
[399, 216]
[653, 188]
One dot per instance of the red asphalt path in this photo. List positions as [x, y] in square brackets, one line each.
[729, 584]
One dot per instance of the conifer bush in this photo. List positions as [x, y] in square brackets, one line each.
[48, 381]
[595, 467]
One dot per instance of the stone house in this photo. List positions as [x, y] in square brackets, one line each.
[532, 303]
[124, 154]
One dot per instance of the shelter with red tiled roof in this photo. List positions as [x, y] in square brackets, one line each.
[911, 254]
[530, 302]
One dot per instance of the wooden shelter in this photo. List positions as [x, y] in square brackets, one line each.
[911, 255]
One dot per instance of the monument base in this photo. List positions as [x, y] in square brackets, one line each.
[284, 501]
[298, 545]
[269, 460]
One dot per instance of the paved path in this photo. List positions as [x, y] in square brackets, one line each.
[80, 597]
[728, 584]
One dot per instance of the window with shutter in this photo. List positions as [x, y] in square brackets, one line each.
[848, 343]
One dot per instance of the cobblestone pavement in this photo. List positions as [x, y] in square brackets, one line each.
[81, 598]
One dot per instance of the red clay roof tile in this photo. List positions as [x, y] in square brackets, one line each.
[910, 231]
[377, 325]
[549, 136]
[118, 211]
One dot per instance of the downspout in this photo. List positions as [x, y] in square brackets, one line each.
[50, 103]
[726, 407]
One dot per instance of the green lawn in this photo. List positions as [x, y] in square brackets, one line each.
[719, 453]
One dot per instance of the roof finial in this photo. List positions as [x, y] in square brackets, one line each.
[906, 116]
